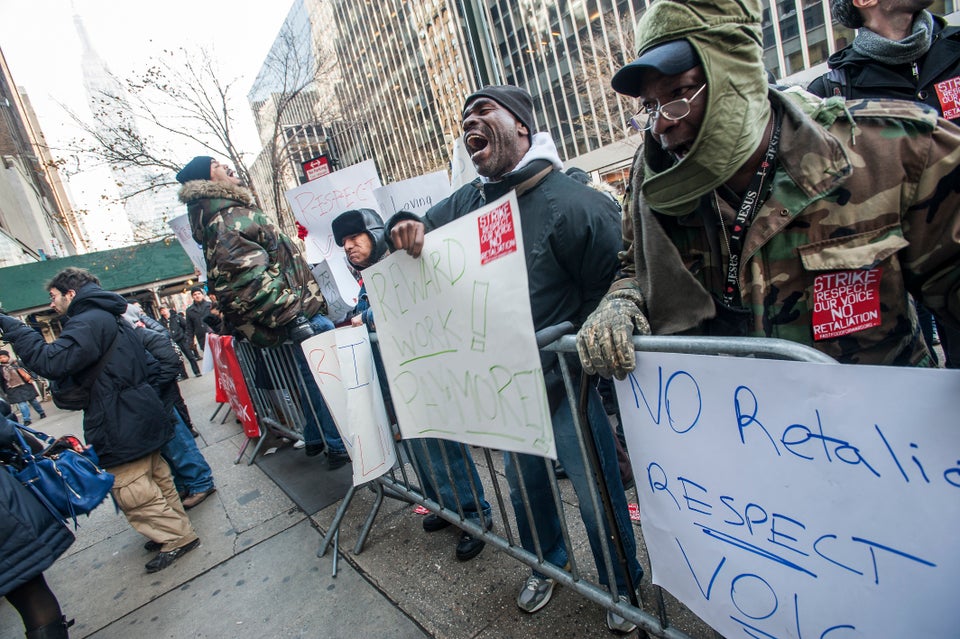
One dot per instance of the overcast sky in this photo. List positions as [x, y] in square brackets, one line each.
[40, 43]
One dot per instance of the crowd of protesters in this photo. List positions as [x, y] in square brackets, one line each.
[725, 226]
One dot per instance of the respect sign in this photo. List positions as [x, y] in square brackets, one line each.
[457, 339]
[796, 500]
[316, 203]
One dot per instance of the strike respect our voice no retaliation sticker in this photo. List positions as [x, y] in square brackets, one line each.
[948, 92]
[845, 302]
[497, 234]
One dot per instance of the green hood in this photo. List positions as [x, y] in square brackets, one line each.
[727, 36]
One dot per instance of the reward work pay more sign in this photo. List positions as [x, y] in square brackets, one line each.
[800, 500]
[456, 334]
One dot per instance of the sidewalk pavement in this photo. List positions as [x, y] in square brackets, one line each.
[256, 573]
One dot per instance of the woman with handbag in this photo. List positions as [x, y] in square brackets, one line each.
[32, 539]
[18, 386]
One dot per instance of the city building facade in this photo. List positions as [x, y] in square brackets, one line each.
[401, 70]
[37, 221]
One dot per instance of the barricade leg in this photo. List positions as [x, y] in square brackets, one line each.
[337, 518]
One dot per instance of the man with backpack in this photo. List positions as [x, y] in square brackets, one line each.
[101, 364]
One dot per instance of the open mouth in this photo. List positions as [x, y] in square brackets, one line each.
[475, 142]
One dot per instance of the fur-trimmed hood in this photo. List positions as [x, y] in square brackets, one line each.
[206, 198]
[205, 189]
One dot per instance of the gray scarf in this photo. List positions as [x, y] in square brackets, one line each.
[903, 51]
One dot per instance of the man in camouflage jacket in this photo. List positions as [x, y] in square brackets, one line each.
[859, 208]
[260, 277]
[262, 281]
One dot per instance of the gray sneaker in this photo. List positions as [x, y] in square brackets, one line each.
[535, 594]
[617, 623]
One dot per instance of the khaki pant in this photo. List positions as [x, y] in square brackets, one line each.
[145, 493]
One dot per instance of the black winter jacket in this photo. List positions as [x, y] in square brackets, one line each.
[195, 326]
[163, 375]
[868, 78]
[125, 419]
[31, 538]
[176, 325]
[571, 235]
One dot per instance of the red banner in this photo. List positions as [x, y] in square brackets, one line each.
[231, 387]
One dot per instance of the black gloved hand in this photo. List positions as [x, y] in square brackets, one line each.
[8, 323]
[299, 329]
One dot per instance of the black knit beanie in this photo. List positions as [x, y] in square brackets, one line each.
[196, 169]
[514, 99]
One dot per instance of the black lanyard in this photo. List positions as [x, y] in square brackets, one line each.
[753, 199]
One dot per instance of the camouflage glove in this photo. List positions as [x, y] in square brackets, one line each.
[603, 342]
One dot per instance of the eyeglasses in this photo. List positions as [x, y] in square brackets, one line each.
[646, 117]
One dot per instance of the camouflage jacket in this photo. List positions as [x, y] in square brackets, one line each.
[259, 275]
[862, 213]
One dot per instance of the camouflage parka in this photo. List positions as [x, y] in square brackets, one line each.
[259, 275]
[864, 212]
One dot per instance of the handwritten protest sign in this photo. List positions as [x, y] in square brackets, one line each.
[339, 287]
[415, 195]
[797, 500]
[457, 339]
[181, 228]
[343, 367]
[316, 203]
[462, 169]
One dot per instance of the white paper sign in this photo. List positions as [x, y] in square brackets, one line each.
[457, 339]
[462, 169]
[798, 500]
[342, 365]
[339, 287]
[181, 228]
[415, 195]
[316, 203]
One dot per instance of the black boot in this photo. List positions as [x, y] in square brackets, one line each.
[55, 630]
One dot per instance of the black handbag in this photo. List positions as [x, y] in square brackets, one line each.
[66, 477]
[68, 395]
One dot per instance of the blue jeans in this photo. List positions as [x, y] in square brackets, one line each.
[427, 455]
[190, 470]
[25, 409]
[311, 430]
[542, 505]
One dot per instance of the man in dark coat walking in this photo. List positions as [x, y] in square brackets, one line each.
[124, 419]
[196, 313]
[177, 327]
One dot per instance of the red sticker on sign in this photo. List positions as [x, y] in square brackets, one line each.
[948, 92]
[845, 302]
[497, 235]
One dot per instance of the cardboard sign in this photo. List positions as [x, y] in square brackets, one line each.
[339, 287]
[181, 228]
[457, 338]
[415, 195]
[797, 500]
[230, 383]
[342, 364]
[316, 203]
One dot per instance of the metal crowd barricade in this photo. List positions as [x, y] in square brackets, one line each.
[274, 383]
[272, 371]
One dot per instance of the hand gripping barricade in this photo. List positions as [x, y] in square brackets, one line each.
[274, 379]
